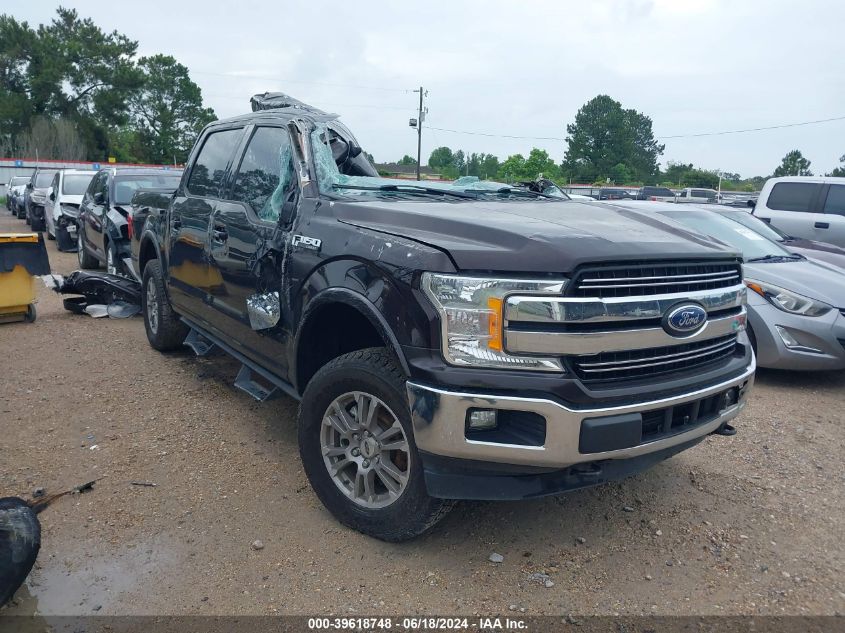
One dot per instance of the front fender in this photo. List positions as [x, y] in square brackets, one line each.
[363, 305]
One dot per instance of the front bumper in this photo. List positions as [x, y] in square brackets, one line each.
[821, 339]
[572, 436]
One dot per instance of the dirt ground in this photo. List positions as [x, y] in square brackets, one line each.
[746, 525]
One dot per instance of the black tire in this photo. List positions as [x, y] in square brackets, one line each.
[373, 371]
[30, 315]
[50, 236]
[86, 261]
[76, 305]
[169, 332]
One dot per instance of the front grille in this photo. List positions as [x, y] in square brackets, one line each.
[653, 279]
[628, 365]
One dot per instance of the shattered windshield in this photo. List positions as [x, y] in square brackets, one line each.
[336, 184]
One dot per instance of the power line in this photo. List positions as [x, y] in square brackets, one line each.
[756, 129]
[298, 81]
[530, 138]
[722, 133]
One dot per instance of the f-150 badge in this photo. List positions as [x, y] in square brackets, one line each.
[311, 243]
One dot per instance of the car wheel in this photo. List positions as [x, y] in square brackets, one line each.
[165, 330]
[85, 260]
[357, 447]
[30, 315]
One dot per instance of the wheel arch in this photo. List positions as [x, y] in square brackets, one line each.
[363, 326]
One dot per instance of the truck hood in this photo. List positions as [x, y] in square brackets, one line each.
[814, 279]
[532, 236]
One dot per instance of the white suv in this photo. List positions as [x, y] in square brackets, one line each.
[805, 206]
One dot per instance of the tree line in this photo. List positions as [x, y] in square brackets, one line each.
[71, 91]
[607, 144]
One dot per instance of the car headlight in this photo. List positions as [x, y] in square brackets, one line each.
[471, 319]
[787, 300]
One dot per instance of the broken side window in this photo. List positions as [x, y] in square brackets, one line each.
[266, 178]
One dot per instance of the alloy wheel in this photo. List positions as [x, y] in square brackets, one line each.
[152, 307]
[365, 449]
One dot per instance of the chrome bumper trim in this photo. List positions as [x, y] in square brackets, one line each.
[615, 309]
[439, 416]
[586, 343]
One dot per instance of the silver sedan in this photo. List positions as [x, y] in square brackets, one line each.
[796, 307]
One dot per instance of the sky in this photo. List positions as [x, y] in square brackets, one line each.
[508, 68]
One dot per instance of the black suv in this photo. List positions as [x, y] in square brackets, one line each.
[103, 230]
[445, 342]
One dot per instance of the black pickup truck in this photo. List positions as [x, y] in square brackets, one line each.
[445, 342]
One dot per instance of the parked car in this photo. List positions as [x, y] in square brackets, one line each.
[35, 197]
[103, 234]
[829, 253]
[794, 309]
[14, 195]
[691, 194]
[805, 206]
[62, 208]
[655, 194]
[614, 194]
[445, 342]
[148, 210]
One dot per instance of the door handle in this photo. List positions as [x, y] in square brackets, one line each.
[219, 234]
[822, 225]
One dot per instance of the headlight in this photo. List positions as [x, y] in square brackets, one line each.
[471, 316]
[787, 300]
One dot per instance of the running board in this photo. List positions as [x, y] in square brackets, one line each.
[200, 344]
[245, 382]
[244, 379]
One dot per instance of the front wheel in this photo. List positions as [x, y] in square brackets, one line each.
[357, 447]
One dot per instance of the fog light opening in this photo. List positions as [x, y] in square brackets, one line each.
[482, 419]
[792, 343]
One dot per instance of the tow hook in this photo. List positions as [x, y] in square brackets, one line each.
[726, 429]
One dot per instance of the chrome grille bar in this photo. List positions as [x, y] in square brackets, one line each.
[652, 361]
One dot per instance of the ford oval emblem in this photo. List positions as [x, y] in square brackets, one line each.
[684, 319]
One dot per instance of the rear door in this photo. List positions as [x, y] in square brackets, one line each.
[793, 208]
[832, 202]
[255, 211]
[193, 278]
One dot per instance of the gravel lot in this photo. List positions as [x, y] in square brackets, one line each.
[746, 525]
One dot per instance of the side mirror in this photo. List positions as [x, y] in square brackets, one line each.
[99, 198]
[29, 185]
[751, 203]
[53, 196]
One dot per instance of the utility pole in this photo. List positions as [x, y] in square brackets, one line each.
[420, 118]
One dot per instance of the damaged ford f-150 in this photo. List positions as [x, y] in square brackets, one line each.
[445, 342]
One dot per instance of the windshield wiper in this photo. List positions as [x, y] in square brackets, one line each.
[409, 189]
[527, 193]
[771, 258]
